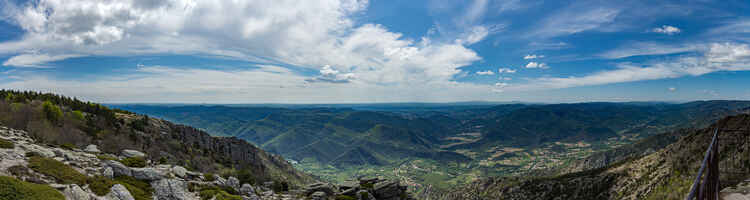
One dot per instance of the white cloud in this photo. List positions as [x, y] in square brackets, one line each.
[649, 48]
[328, 74]
[308, 34]
[666, 29]
[506, 70]
[575, 19]
[532, 56]
[488, 72]
[534, 65]
[672, 89]
[35, 60]
[720, 57]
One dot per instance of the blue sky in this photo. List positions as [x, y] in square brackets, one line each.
[347, 51]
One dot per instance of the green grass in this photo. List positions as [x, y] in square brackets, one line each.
[6, 144]
[209, 177]
[100, 185]
[14, 189]
[63, 173]
[345, 197]
[134, 162]
[106, 157]
[214, 192]
[139, 189]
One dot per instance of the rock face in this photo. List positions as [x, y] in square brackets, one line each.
[92, 149]
[364, 189]
[147, 174]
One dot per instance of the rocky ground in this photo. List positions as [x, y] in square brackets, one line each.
[167, 182]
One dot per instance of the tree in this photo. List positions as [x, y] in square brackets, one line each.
[52, 112]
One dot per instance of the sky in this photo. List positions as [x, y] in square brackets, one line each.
[354, 51]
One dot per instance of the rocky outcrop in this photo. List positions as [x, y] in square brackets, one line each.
[366, 188]
[132, 153]
[119, 192]
[171, 189]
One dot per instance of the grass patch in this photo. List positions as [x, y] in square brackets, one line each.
[345, 197]
[63, 173]
[134, 162]
[106, 157]
[14, 189]
[6, 144]
[100, 185]
[209, 177]
[139, 189]
[68, 146]
[215, 192]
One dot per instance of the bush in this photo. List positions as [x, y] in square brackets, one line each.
[280, 186]
[68, 146]
[106, 157]
[139, 189]
[218, 193]
[245, 176]
[345, 197]
[6, 144]
[209, 177]
[12, 188]
[62, 172]
[100, 185]
[52, 112]
[134, 162]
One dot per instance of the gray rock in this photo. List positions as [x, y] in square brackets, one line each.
[180, 171]
[91, 148]
[348, 185]
[171, 189]
[324, 187]
[220, 181]
[132, 153]
[247, 189]
[253, 197]
[148, 174]
[74, 192]
[388, 189]
[233, 182]
[118, 168]
[119, 192]
[108, 172]
[44, 152]
[319, 195]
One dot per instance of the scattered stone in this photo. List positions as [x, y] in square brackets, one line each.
[44, 152]
[247, 189]
[119, 192]
[233, 182]
[132, 153]
[91, 148]
[322, 187]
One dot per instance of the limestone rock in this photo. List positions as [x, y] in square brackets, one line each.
[91, 148]
[180, 171]
[119, 192]
[388, 190]
[132, 153]
[118, 168]
[365, 195]
[324, 187]
[108, 172]
[319, 195]
[74, 192]
[247, 189]
[171, 189]
[233, 182]
[148, 174]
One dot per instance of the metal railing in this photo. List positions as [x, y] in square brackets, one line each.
[708, 187]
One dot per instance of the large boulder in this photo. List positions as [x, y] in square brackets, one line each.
[171, 189]
[119, 192]
[247, 189]
[44, 152]
[320, 187]
[148, 174]
[118, 168]
[365, 195]
[108, 172]
[132, 153]
[233, 182]
[388, 190]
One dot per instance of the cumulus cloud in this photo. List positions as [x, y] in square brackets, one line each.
[672, 89]
[35, 60]
[666, 29]
[532, 56]
[506, 70]
[328, 74]
[308, 34]
[534, 65]
[488, 72]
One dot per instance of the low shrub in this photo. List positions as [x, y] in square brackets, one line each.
[209, 177]
[105, 157]
[100, 185]
[6, 144]
[134, 162]
[218, 193]
[345, 197]
[68, 146]
[63, 173]
[139, 189]
[14, 189]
